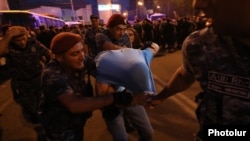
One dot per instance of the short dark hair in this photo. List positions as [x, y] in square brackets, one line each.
[4, 28]
[115, 20]
[93, 17]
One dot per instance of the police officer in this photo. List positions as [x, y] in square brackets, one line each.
[25, 58]
[67, 104]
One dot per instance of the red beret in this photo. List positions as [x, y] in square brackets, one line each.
[115, 20]
[64, 41]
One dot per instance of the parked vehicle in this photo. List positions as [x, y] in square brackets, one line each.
[28, 19]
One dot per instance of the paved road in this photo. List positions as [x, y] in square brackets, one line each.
[173, 120]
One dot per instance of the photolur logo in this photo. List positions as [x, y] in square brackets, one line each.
[226, 133]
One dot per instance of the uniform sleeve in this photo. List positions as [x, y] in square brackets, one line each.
[45, 52]
[55, 85]
[101, 39]
[191, 52]
[127, 41]
[86, 39]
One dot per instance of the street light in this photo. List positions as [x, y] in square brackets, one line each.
[125, 14]
[158, 8]
[139, 3]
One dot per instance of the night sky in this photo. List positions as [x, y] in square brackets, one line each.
[29, 4]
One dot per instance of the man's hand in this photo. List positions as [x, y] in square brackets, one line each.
[155, 48]
[155, 100]
[152, 46]
[10, 33]
[141, 98]
[15, 31]
[123, 98]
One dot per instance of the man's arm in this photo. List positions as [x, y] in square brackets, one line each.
[180, 81]
[86, 49]
[79, 104]
[76, 104]
[11, 32]
[103, 89]
[4, 44]
[104, 42]
[106, 89]
[110, 46]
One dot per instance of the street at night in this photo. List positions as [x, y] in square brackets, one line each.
[173, 120]
[74, 70]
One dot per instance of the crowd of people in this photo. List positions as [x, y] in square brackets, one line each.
[51, 69]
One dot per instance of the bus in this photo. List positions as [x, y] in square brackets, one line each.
[28, 19]
[156, 16]
[70, 23]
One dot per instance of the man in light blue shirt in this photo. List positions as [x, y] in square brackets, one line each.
[120, 65]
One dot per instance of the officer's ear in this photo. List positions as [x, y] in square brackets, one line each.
[59, 57]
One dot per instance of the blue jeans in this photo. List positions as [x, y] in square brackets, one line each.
[139, 119]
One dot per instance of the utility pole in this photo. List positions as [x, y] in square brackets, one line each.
[73, 10]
